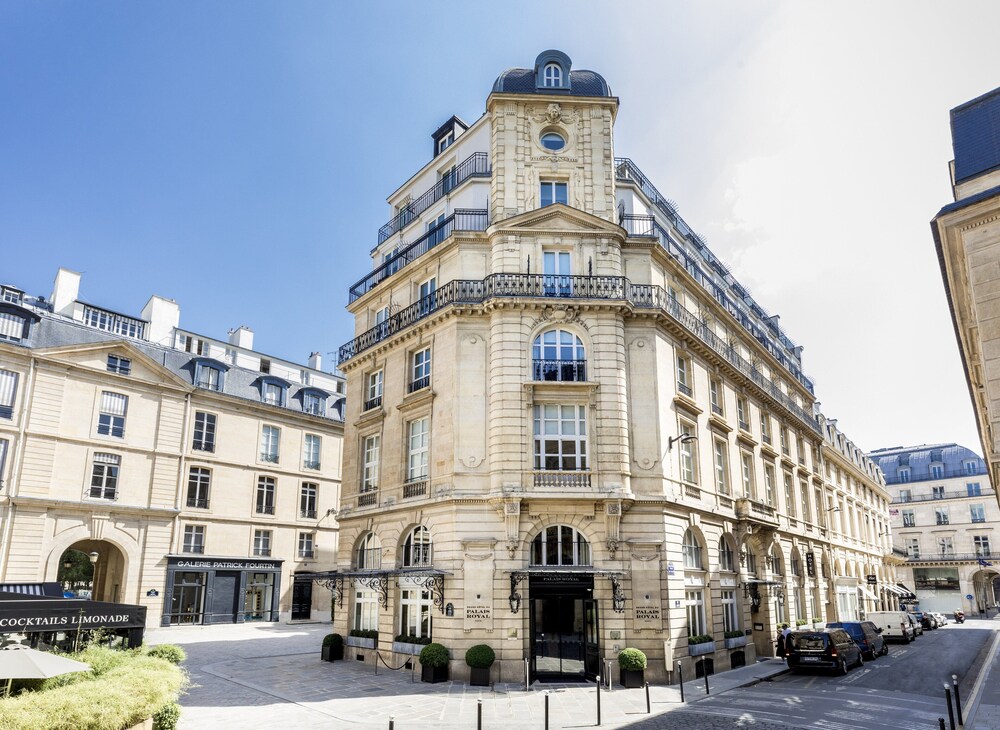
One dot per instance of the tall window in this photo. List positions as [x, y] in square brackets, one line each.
[369, 553]
[369, 474]
[746, 470]
[426, 297]
[789, 495]
[560, 434]
[270, 436]
[366, 610]
[552, 75]
[262, 543]
[420, 374]
[695, 612]
[903, 474]
[306, 545]
[937, 492]
[12, 327]
[311, 446]
[941, 515]
[556, 272]
[909, 518]
[415, 609]
[692, 551]
[373, 393]
[905, 495]
[194, 539]
[687, 443]
[730, 618]
[769, 484]
[8, 391]
[783, 439]
[777, 564]
[553, 191]
[743, 413]
[913, 547]
[265, 495]
[982, 545]
[417, 547]
[804, 497]
[727, 559]
[558, 355]
[973, 489]
[118, 364]
[4, 444]
[199, 481]
[417, 449]
[111, 421]
[937, 471]
[307, 500]
[684, 375]
[104, 476]
[721, 466]
[560, 545]
[977, 512]
[204, 432]
[946, 546]
[971, 467]
[765, 427]
[715, 395]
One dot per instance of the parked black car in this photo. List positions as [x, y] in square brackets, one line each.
[866, 635]
[926, 620]
[822, 649]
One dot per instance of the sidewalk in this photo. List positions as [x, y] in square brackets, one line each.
[273, 673]
[982, 711]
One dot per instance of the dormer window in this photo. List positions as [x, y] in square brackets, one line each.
[445, 142]
[13, 327]
[209, 376]
[314, 402]
[553, 75]
[272, 391]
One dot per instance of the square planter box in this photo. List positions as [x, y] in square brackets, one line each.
[433, 674]
[698, 649]
[736, 642]
[479, 676]
[632, 678]
[401, 647]
[359, 643]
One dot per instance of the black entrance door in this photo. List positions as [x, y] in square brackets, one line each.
[302, 593]
[564, 630]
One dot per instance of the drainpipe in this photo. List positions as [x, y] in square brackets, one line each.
[181, 464]
[15, 468]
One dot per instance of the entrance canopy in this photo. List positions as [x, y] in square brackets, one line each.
[430, 579]
[867, 593]
[569, 572]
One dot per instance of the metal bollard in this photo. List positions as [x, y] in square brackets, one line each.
[649, 709]
[951, 714]
[680, 679]
[704, 667]
[479, 715]
[958, 700]
[526, 673]
[598, 699]
[941, 723]
[412, 665]
[547, 710]
[392, 722]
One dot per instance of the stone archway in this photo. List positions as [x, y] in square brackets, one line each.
[118, 559]
[984, 590]
[108, 582]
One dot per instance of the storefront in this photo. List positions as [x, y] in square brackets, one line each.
[47, 621]
[220, 590]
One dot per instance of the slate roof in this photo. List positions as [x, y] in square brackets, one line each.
[919, 459]
[975, 136]
[522, 81]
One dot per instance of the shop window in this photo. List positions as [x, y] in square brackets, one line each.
[259, 597]
[187, 599]
[365, 610]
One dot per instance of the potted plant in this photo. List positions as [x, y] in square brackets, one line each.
[434, 663]
[362, 638]
[632, 668]
[800, 622]
[409, 644]
[480, 658]
[333, 647]
[735, 639]
[817, 622]
[701, 644]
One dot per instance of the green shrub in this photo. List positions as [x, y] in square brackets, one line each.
[733, 634]
[116, 695]
[364, 634]
[800, 622]
[631, 660]
[410, 639]
[700, 639]
[170, 652]
[166, 717]
[434, 655]
[480, 656]
[816, 619]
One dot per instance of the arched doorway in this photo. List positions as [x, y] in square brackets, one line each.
[984, 591]
[105, 577]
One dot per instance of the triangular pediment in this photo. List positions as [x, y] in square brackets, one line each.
[94, 355]
[559, 217]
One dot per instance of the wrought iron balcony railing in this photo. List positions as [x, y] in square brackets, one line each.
[460, 220]
[926, 475]
[938, 557]
[197, 503]
[476, 165]
[563, 371]
[951, 494]
[373, 403]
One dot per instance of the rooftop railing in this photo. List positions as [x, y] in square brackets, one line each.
[953, 494]
[644, 296]
[476, 165]
[926, 475]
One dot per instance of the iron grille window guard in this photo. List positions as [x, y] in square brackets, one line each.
[270, 458]
[308, 514]
[373, 403]
[197, 503]
[685, 389]
[265, 509]
[562, 371]
[420, 383]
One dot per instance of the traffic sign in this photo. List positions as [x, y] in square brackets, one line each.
[968, 597]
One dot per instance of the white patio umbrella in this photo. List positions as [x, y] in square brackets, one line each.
[22, 662]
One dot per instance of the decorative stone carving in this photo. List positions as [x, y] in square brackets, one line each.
[554, 114]
[612, 524]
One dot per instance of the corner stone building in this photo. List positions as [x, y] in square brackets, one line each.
[570, 430]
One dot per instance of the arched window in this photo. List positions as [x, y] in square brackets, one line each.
[692, 551]
[727, 560]
[553, 74]
[560, 545]
[417, 547]
[776, 563]
[369, 553]
[558, 355]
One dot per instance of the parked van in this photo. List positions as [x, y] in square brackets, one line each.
[894, 624]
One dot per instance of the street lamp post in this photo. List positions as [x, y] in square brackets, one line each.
[93, 579]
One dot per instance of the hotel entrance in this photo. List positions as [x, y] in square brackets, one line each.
[564, 628]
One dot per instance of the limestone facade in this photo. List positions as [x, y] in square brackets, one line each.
[596, 436]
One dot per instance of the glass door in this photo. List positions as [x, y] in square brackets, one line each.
[556, 273]
[592, 633]
[558, 646]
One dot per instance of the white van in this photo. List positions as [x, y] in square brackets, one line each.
[894, 625]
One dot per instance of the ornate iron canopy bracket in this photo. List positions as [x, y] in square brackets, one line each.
[434, 584]
[617, 595]
[336, 586]
[378, 583]
[752, 592]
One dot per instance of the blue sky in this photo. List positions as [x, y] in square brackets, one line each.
[236, 156]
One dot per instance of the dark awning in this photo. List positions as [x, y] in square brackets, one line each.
[907, 593]
[27, 614]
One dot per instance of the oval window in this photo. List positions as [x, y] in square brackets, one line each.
[553, 141]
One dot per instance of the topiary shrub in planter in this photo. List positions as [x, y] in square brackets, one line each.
[333, 647]
[480, 658]
[701, 644]
[735, 639]
[434, 663]
[632, 668]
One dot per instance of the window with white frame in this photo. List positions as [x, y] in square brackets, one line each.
[905, 495]
[913, 547]
[909, 518]
[903, 474]
[418, 438]
[199, 483]
[716, 396]
[730, 617]
[743, 413]
[783, 439]
[777, 564]
[727, 559]
[270, 438]
[445, 142]
[119, 364]
[420, 372]
[306, 545]
[553, 191]
[946, 546]
[368, 555]
[314, 403]
[262, 543]
[8, 392]
[765, 427]
[204, 432]
[104, 476]
[977, 512]
[208, 377]
[12, 327]
[971, 467]
[365, 610]
[265, 495]
[4, 445]
[370, 455]
[426, 292]
[687, 446]
[552, 75]
[558, 355]
[937, 471]
[789, 495]
[721, 449]
[937, 492]
[695, 612]
[804, 499]
[373, 392]
[560, 437]
[560, 545]
[307, 500]
[194, 539]
[746, 471]
[769, 484]
[111, 420]
[942, 516]
[691, 549]
[311, 447]
[417, 547]
[684, 382]
[973, 489]
[981, 543]
[272, 393]
[415, 609]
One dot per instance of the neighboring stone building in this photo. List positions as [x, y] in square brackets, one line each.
[967, 237]
[203, 474]
[569, 429]
[944, 511]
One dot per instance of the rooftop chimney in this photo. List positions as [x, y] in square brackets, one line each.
[164, 316]
[65, 292]
[315, 361]
[242, 336]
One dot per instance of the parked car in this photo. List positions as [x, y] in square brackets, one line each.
[918, 628]
[926, 619]
[941, 618]
[822, 649]
[866, 635]
[895, 625]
